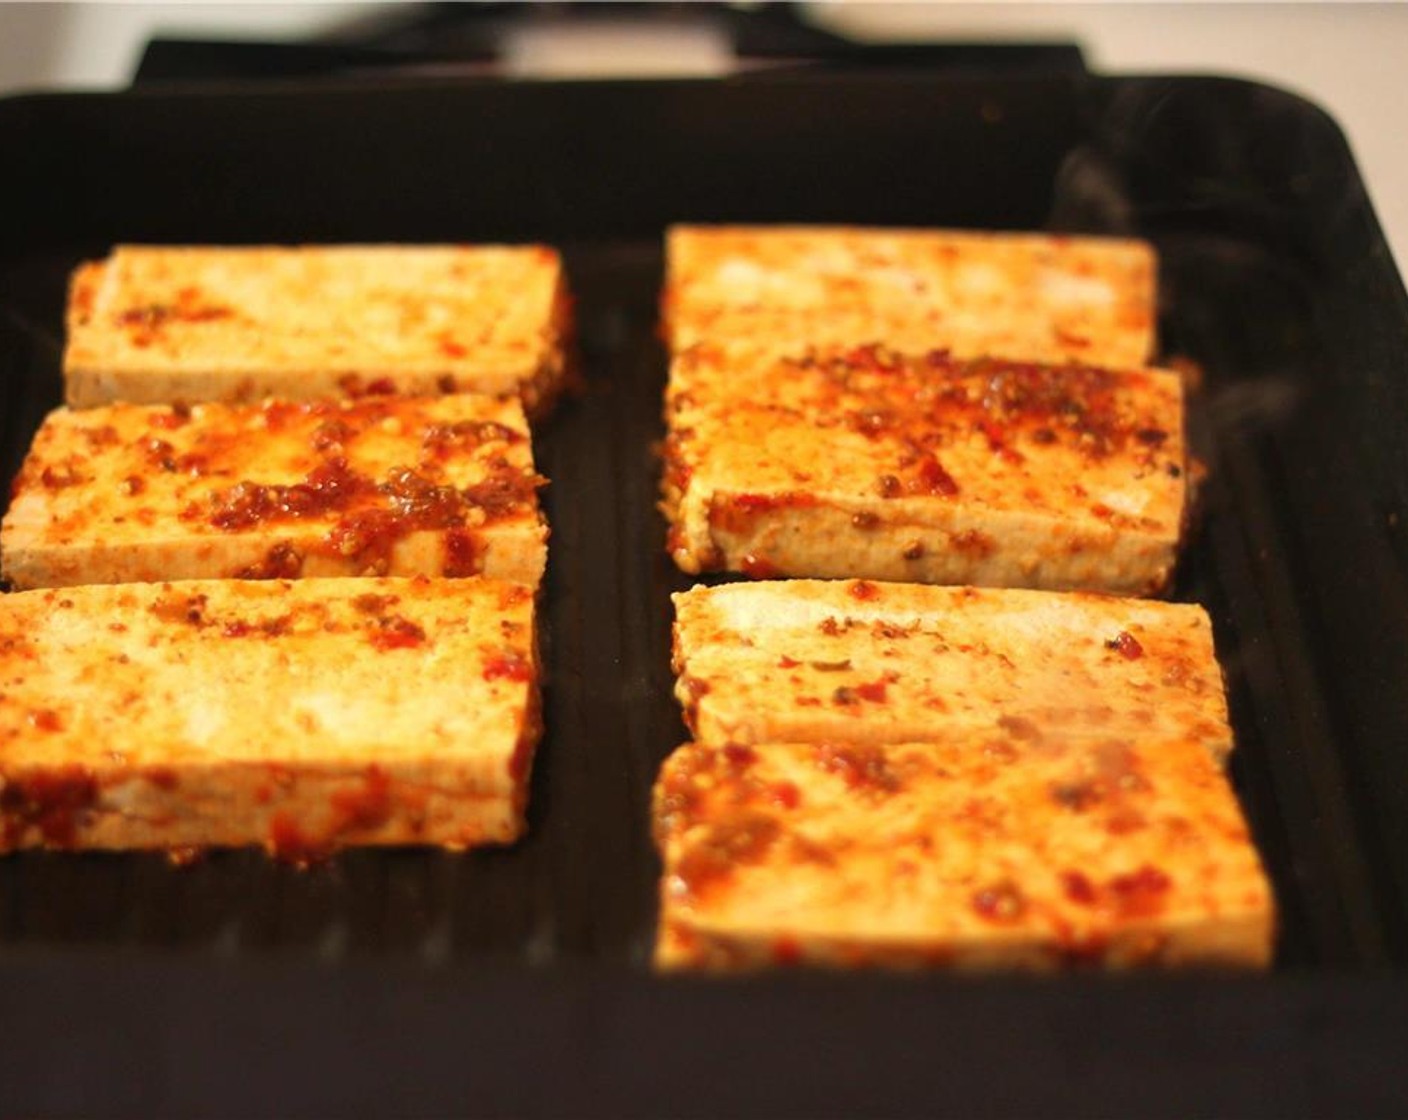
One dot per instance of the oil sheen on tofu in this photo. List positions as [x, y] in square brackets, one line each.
[378, 486]
[925, 468]
[907, 776]
[1030, 296]
[303, 716]
[158, 324]
[968, 851]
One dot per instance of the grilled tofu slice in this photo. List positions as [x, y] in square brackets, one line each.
[157, 324]
[385, 485]
[304, 716]
[864, 462]
[1032, 296]
[873, 663]
[979, 850]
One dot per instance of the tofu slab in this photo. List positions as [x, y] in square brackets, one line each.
[1033, 296]
[304, 716]
[925, 468]
[972, 851]
[381, 486]
[874, 663]
[184, 323]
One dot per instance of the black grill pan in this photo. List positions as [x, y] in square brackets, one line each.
[517, 981]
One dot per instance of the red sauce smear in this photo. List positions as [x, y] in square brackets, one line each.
[55, 802]
[785, 795]
[758, 568]
[972, 542]
[331, 434]
[931, 478]
[694, 687]
[59, 478]
[440, 440]
[1078, 796]
[1126, 645]
[739, 755]
[874, 691]
[282, 561]
[178, 417]
[511, 666]
[786, 951]
[395, 632]
[736, 514]
[677, 472]
[861, 766]
[921, 401]
[373, 515]
[269, 628]
[181, 608]
[363, 807]
[330, 486]
[1001, 902]
[46, 719]
[374, 604]
[521, 760]
[464, 553]
[1140, 892]
[289, 843]
[727, 844]
[154, 316]
[163, 777]
[1078, 888]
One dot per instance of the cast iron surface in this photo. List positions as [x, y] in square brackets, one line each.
[533, 960]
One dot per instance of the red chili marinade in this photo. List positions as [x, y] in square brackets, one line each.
[1078, 888]
[736, 514]
[511, 666]
[785, 795]
[282, 561]
[289, 843]
[45, 719]
[737, 840]
[860, 766]
[269, 628]
[163, 777]
[178, 417]
[1001, 902]
[365, 806]
[874, 691]
[924, 402]
[757, 567]
[395, 632]
[1126, 645]
[738, 754]
[373, 515]
[1140, 892]
[464, 554]
[786, 951]
[53, 801]
[151, 318]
